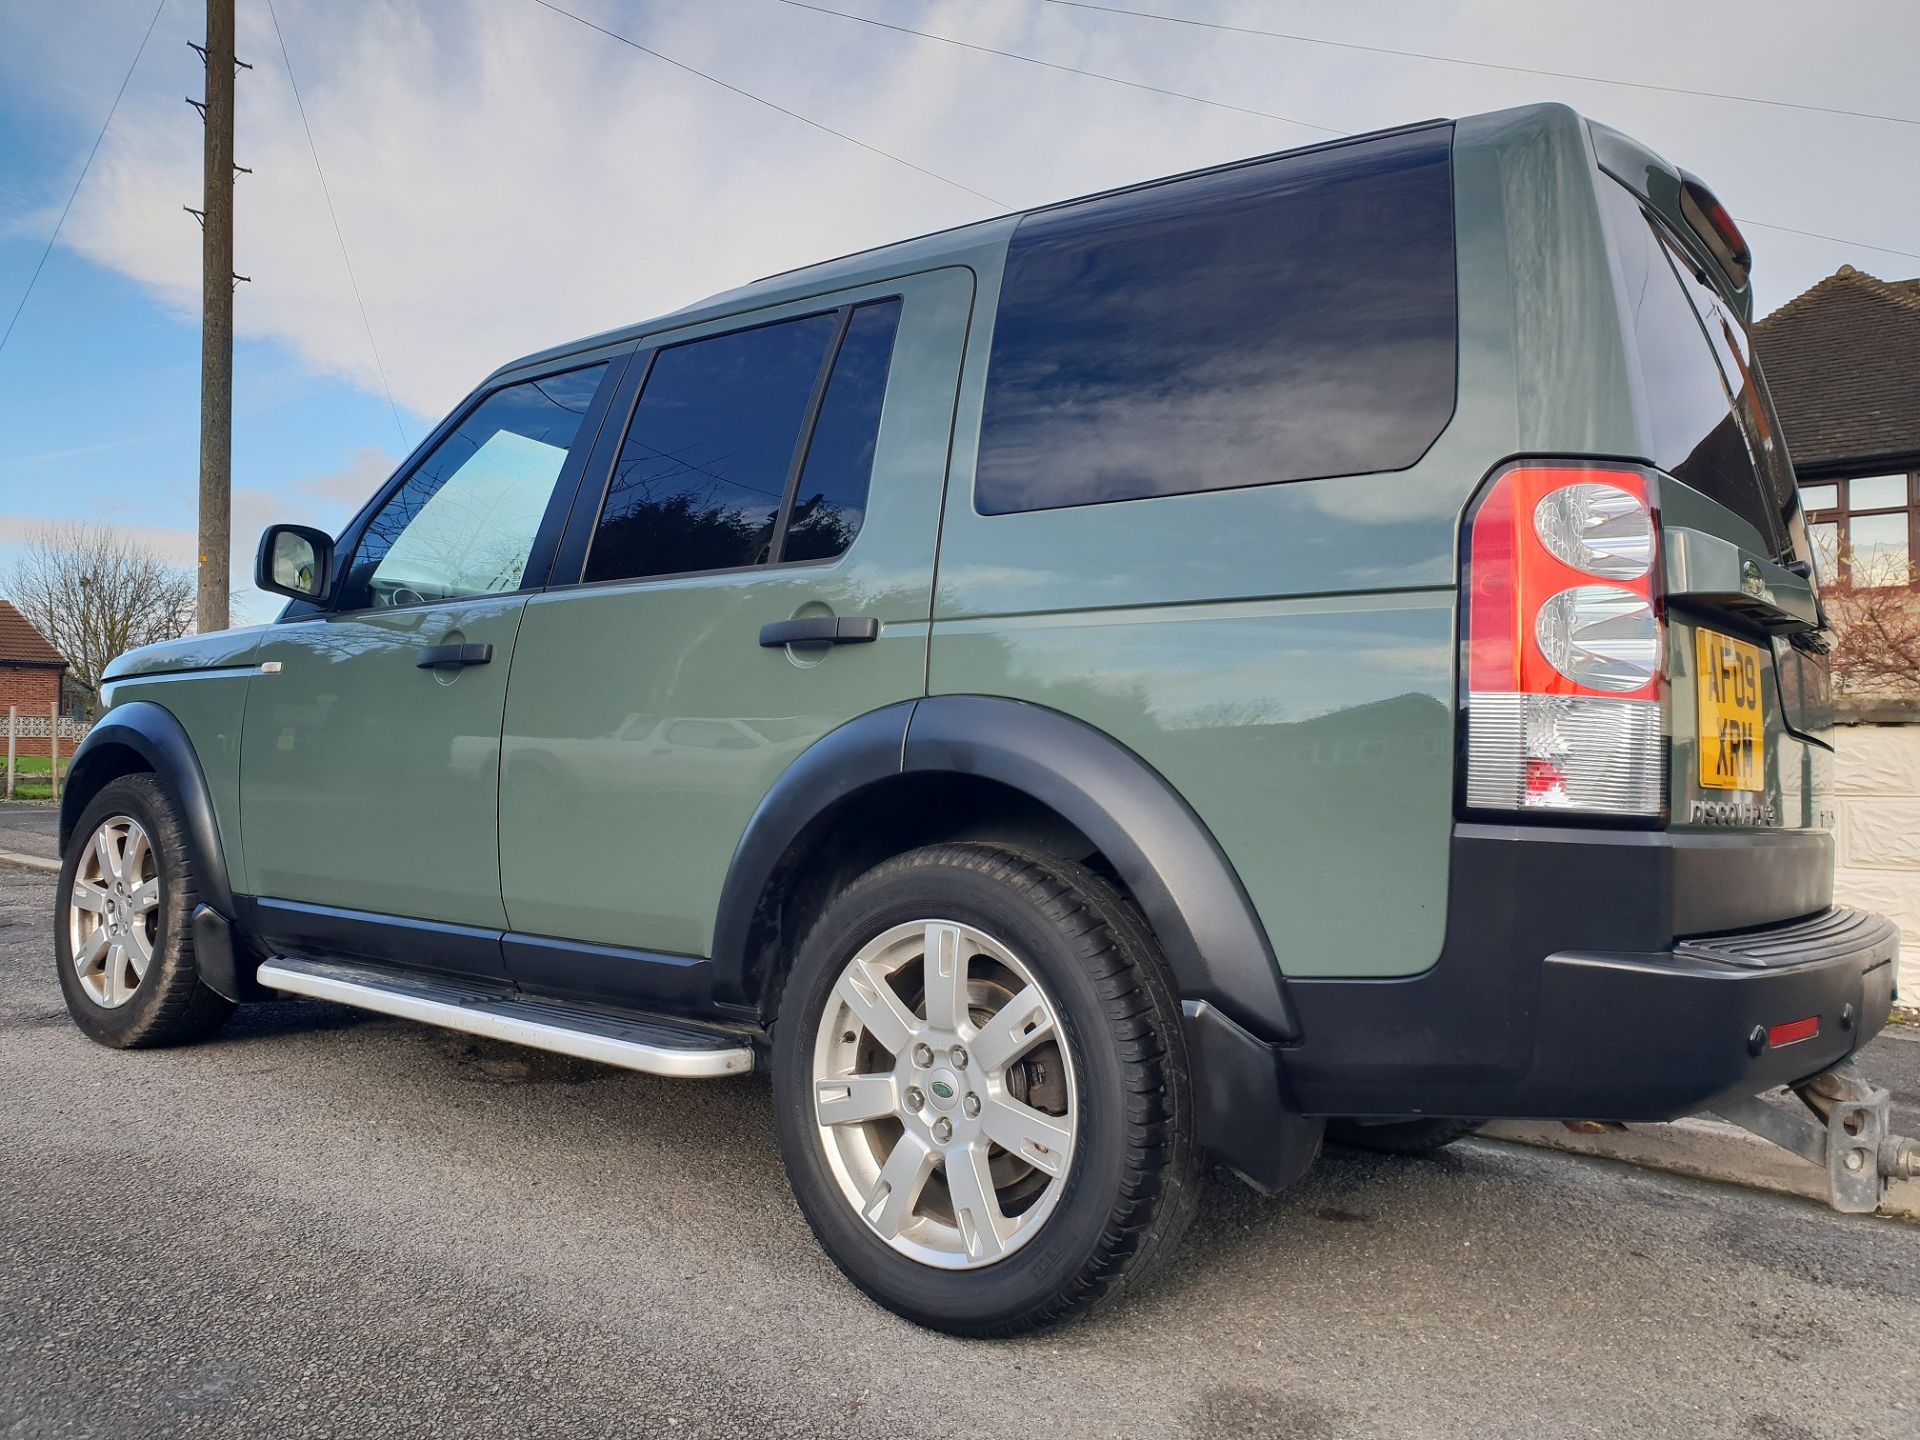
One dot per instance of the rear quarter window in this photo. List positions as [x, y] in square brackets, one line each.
[1282, 320]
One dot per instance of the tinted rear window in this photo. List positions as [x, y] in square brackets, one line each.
[705, 478]
[1282, 320]
[1704, 405]
[703, 469]
[831, 499]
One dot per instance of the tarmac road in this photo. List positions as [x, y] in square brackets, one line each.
[29, 829]
[326, 1224]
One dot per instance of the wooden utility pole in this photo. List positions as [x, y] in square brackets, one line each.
[216, 325]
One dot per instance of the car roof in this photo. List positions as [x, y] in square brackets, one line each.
[922, 252]
[1642, 170]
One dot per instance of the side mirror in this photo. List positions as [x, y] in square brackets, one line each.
[295, 560]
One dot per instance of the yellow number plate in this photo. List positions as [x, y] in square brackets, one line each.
[1732, 726]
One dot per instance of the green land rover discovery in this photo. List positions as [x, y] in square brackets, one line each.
[1322, 645]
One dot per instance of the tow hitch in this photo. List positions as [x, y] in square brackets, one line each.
[1844, 1131]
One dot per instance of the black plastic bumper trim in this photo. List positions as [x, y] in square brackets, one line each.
[1591, 974]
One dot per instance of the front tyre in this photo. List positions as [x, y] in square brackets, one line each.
[123, 931]
[982, 1089]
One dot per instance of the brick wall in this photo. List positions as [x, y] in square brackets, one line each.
[34, 690]
[1877, 781]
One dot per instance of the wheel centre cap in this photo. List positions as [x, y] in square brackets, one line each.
[943, 1088]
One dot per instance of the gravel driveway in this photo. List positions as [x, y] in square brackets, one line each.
[327, 1224]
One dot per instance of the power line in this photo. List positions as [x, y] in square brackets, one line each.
[335, 217]
[1836, 239]
[762, 100]
[1485, 64]
[1525, 70]
[347, 259]
[1203, 100]
[1052, 65]
[34, 278]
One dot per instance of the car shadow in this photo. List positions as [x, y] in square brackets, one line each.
[727, 1131]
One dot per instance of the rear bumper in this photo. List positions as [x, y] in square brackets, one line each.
[1586, 974]
[1656, 1037]
[1603, 974]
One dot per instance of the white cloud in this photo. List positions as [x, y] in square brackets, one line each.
[326, 500]
[335, 496]
[506, 178]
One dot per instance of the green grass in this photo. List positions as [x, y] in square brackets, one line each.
[32, 777]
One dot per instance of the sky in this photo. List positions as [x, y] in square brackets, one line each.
[506, 178]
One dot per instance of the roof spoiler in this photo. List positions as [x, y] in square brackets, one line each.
[1709, 220]
[1685, 202]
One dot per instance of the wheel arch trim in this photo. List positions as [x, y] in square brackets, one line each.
[1189, 891]
[1213, 938]
[160, 740]
[865, 751]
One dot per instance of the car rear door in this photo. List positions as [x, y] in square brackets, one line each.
[1747, 666]
[370, 752]
[780, 468]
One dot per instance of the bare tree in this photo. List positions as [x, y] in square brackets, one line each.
[96, 593]
[1876, 619]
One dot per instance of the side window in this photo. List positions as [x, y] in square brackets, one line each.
[831, 499]
[705, 474]
[703, 469]
[1281, 320]
[464, 521]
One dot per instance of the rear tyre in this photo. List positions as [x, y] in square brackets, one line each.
[123, 923]
[1401, 1137]
[982, 1089]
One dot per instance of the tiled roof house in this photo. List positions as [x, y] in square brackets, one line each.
[31, 671]
[1843, 364]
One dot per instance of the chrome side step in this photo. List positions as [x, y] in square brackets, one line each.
[657, 1047]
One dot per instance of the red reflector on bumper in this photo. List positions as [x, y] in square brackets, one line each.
[1793, 1031]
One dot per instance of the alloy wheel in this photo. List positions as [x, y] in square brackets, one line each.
[943, 1092]
[113, 914]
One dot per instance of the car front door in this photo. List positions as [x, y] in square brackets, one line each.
[370, 751]
[778, 467]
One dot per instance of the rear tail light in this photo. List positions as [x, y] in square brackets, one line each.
[1601, 636]
[1564, 639]
[1597, 528]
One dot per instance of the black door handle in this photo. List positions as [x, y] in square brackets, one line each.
[435, 656]
[821, 630]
